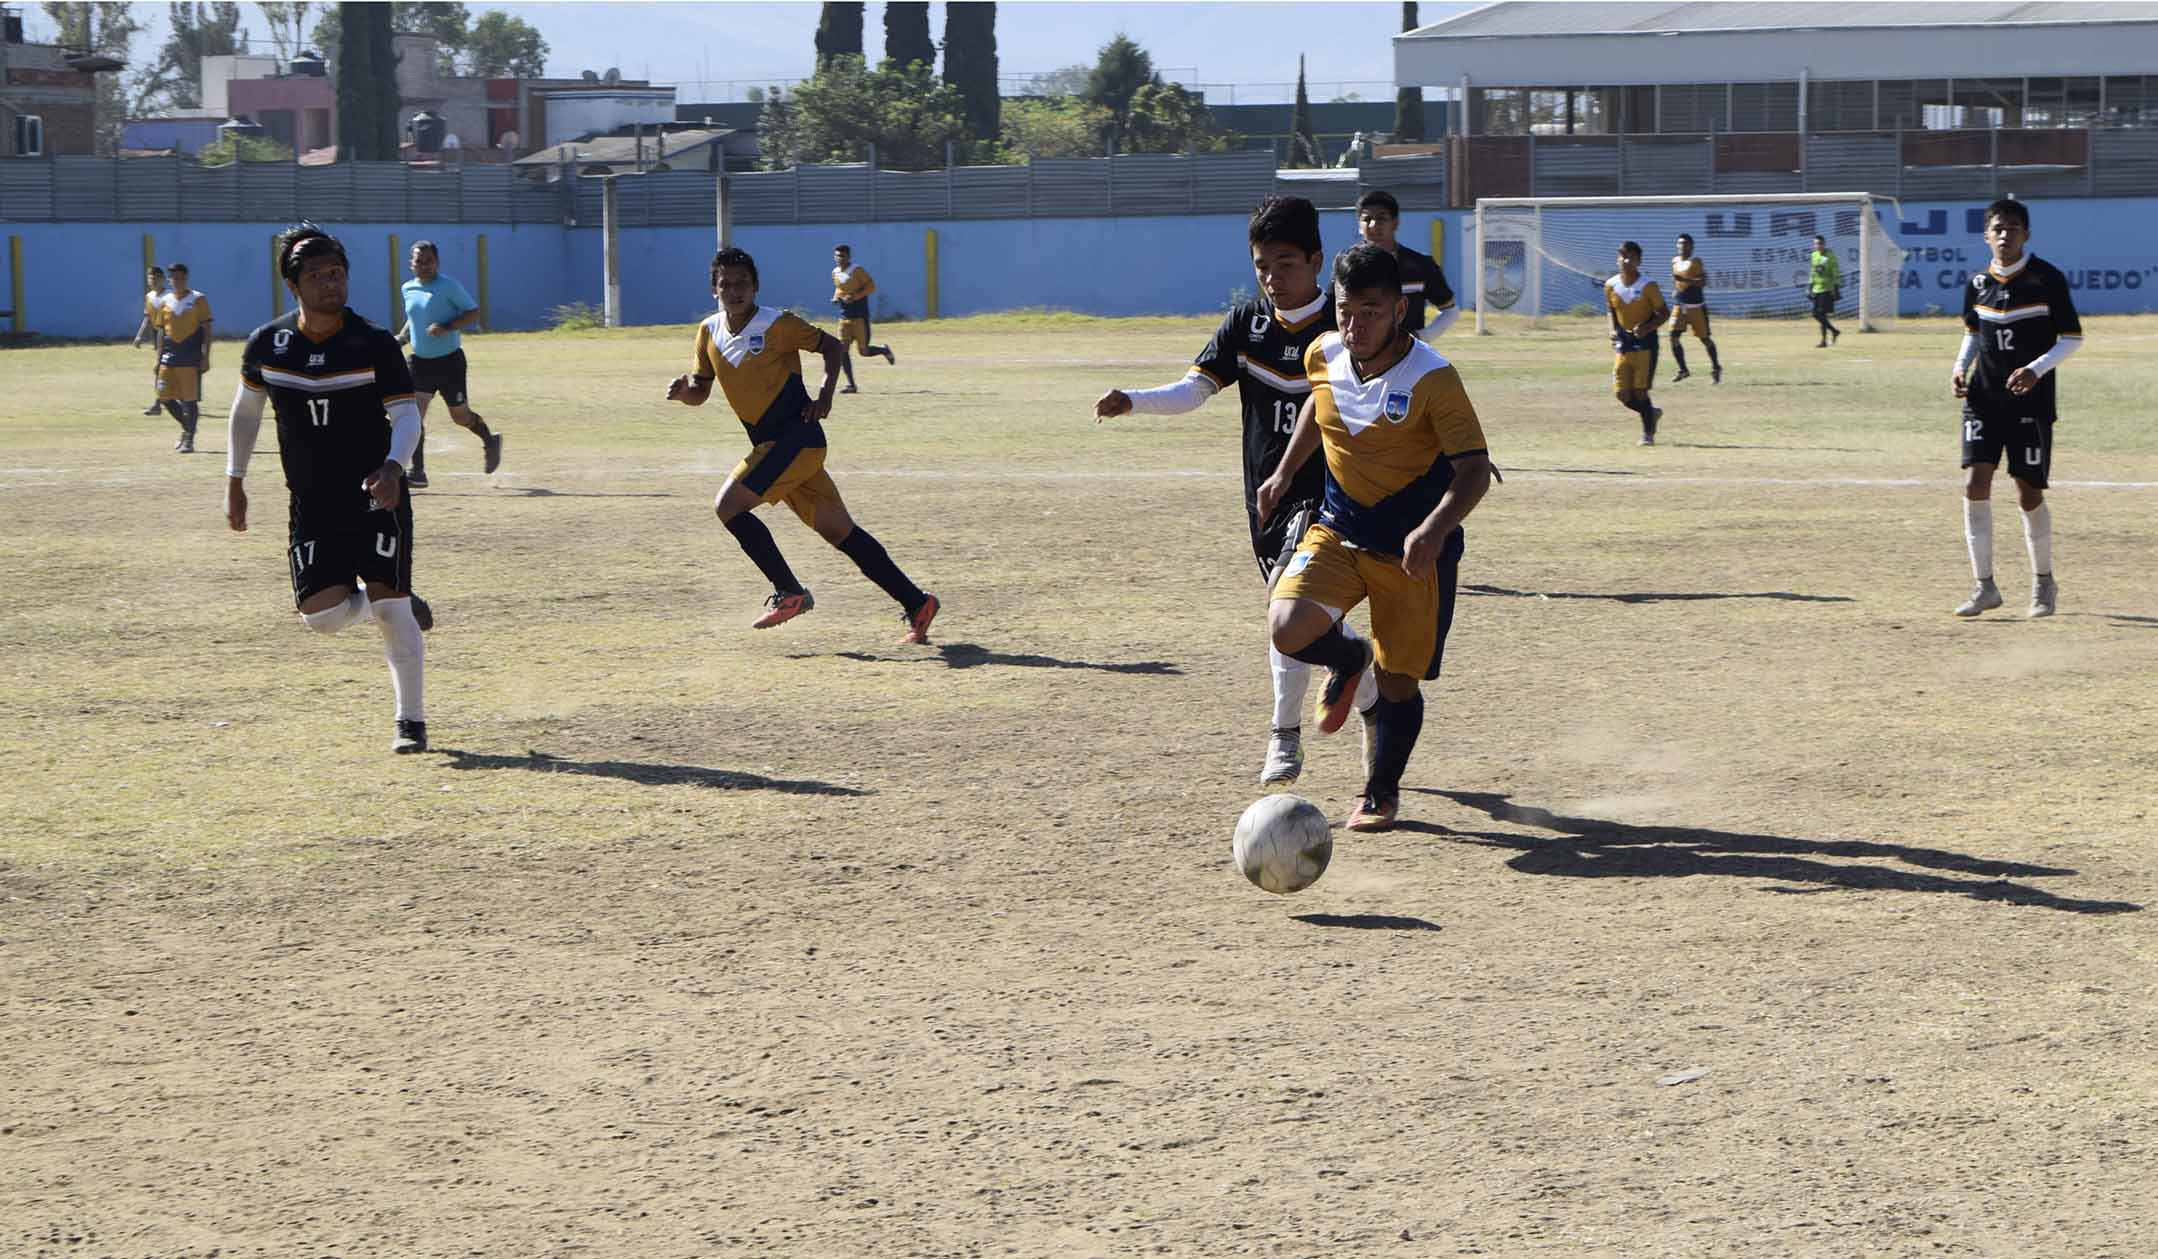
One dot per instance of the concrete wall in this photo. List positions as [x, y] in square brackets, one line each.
[84, 280]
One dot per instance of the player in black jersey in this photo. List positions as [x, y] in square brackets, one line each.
[1260, 346]
[2019, 324]
[346, 425]
[1378, 218]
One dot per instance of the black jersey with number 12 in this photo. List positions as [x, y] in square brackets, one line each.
[2017, 318]
[1261, 352]
[329, 397]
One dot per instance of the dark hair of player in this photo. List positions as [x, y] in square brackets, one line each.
[1379, 199]
[305, 241]
[1286, 220]
[842, 249]
[1820, 240]
[735, 258]
[177, 268]
[1630, 247]
[157, 271]
[1363, 268]
[425, 247]
[1686, 236]
[2010, 210]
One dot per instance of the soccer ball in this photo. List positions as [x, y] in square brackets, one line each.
[1283, 843]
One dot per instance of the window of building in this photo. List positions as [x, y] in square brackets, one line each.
[29, 135]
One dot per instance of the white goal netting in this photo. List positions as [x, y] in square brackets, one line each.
[1551, 256]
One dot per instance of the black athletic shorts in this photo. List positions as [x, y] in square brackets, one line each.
[444, 377]
[2023, 427]
[1275, 541]
[338, 540]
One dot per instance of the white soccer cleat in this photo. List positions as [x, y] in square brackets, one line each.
[1284, 758]
[1984, 597]
[2043, 599]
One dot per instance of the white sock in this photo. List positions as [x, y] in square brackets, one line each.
[405, 649]
[332, 619]
[1978, 531]
[1292, 682]
[1367, 687]
[2038, 537]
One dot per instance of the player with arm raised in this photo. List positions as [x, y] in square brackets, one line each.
[1406, 462]
[1260, 346]
[1378, 220]
[346, 425]
[755, 355]
[2020, 324]
[1689, 281]
[1637, 307]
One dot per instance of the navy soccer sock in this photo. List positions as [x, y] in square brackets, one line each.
[1331, 650]
[876, 564]
[178, 412]
[1678, 351]
[1710, 346]
[1395, 725]
[762, 551]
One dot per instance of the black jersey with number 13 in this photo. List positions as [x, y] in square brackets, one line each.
[329, 397]
[2017, 318]
[1263, 356]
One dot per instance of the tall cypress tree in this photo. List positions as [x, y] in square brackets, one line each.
[360, 83]
[1409, 101]
[1303, 145]
[839, 32]
[906, 34]
[384, 54]
[970, 63]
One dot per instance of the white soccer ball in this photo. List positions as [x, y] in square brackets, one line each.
[1283, 843]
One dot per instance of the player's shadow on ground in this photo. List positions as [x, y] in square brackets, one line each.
[1654, 596]
[2121, 618]
[1367, 922]
[972, 655]
[536, 491]
[1577, 471]
[1832, 450]
[649, 774]
[1595, 848]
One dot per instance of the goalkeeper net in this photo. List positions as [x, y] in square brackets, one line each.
[1551, 256]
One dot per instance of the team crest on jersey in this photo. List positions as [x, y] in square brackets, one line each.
[281, 340]
[756, 343]
[1978, 281]
[1397, 406]
[1259, 324]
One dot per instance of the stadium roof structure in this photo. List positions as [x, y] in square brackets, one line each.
[1516, 43]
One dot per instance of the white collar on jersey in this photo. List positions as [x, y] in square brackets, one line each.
[1303, 312]
[2009, 273]
[846, 272]
[1363, 403]
[1618, 286]
[736, 346]
[179, 304]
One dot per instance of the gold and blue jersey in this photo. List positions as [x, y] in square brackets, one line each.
[759, 369]
[1630, 304]
[1688, 276]
[1390, 441]
[186, 324]
[851, 287]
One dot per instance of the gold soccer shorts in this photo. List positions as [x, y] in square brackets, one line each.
[1692, 319]
[1632, 371]
[1409, 615]
[179, 384]
[854, 334]
[801, 482]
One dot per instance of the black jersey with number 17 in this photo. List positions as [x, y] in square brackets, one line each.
[1261, 351]
[2017, 316]
[329, 397]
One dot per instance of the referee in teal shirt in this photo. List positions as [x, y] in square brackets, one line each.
[437, 310]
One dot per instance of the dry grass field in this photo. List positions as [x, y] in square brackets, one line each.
[689, 940]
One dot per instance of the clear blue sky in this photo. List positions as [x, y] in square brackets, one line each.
[1343, 42]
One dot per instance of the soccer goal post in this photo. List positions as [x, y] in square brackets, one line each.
[1539, 256]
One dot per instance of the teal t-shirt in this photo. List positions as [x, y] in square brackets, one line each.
[437, 302]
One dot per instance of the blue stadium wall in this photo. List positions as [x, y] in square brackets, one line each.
[83, 279]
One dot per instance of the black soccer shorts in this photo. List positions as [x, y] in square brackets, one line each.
[339, 540]
[1276, 540]
[443, 376]
[2023, 428]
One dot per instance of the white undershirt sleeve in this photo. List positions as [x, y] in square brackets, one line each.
[2056, 356]
[241, 432]
[1440, 323]
[1187, 394]
[404, 430]
[1968, 354]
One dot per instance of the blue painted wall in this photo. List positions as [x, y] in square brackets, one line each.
[184, 134]
[84, 280]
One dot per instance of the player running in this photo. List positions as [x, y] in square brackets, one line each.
[1378, 218]
[437, 311]
[1406, 462]
[346, 424]
[153, 327]
[1260, 345]
[1689, 278]
[756, 355]
[2019, 324]
[851, 287]
[184, 323]
[1636, 307]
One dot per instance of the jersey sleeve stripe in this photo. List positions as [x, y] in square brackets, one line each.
[1197, 370]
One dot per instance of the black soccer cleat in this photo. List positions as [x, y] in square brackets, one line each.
[492, 447]
[1682, 374]
[423, 613]
[416, 478]
[411, 737]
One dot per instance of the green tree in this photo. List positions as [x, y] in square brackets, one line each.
[501, 46]
[906, 33]
[839, 31]
[198, 30]
[1120, 70]
[1409, 101]
[226, 150]
[447, 20]
[287, 20]
[1170, 118]
[1068, 81]
[1303, 145]
[105, 28]
[970, 63]
[837, 114]
[1059, 127]
[366, 84]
